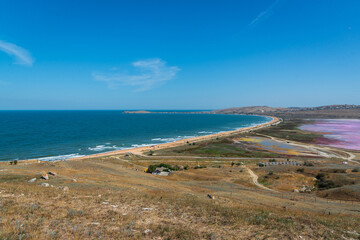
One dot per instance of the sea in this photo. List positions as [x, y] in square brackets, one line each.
[61, 135]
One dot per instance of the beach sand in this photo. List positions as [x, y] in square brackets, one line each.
[141, 150]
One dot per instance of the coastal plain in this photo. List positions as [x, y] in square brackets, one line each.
[219, 191]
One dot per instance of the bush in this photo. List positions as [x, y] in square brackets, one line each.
[300, 170]
[308, 164]
[15, 162]
[356, 170]
[186, 167]
[272, 160]
[270, 173]
[322, 183]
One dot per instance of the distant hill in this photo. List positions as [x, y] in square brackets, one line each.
[330, 111]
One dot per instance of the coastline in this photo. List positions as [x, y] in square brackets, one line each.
[141, 150]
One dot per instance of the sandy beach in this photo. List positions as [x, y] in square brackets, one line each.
[141, 150]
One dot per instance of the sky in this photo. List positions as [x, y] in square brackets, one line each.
[179, 54]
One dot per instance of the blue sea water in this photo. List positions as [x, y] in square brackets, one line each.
[58, 135]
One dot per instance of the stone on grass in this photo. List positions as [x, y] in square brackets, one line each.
[52, 173]
[32, 180]
[147, 231]
[45, 184]
[147, 209]
[45, 177]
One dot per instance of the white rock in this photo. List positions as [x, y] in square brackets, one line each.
[147, 231]
[147, 209]
[115, 206]
[45, 184]
[32, 180]
[74, 180]
[105, 203]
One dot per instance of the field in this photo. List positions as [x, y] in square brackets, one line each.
[219, 193]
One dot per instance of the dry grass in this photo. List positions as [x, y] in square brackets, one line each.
[111, 200]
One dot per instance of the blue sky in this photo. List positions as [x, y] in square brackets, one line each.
[178, 54]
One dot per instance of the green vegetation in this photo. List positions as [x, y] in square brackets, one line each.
[13, 162]
[289, 130]
[308, 164]
[322, 183]
[228, 150]
[167, 167]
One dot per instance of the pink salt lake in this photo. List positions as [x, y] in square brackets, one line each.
[341, 133]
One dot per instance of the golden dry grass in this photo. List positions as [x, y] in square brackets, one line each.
[112, 200]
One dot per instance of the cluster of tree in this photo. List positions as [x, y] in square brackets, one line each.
[323, 183]
[167, 167]
[13, 162]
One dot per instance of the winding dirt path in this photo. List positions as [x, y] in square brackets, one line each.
[255, 178]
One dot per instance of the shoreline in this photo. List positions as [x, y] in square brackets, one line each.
[141, 150]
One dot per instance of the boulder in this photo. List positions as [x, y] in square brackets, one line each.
[52, 173]
[45, 184]
[147, 231]
[295, 190]
[32, 180]
[45, 177]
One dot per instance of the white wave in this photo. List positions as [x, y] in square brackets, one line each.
[173, 139]
[100, 148]
[205, 132]
[60, 157]
[141, 145]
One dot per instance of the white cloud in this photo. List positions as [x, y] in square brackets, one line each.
[21, 55]
[150, 73]
[265, 13]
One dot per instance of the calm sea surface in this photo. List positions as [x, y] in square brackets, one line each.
[56, 135]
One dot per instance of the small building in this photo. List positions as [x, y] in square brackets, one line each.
[266, 164]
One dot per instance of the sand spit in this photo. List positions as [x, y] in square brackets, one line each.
[141, 150]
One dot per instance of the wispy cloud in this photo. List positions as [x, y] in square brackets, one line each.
[265, 13]
[148, 74]
[21, 55]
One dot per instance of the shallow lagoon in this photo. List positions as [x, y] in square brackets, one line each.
[341, 133]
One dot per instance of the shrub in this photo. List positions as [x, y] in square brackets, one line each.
[151, 152]
[186, 167]
[308, 164]
[270, 173]
[277, 177]
[356, 170]
[300, 170]
[272, 160]
[15, 162]
[322, 183]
